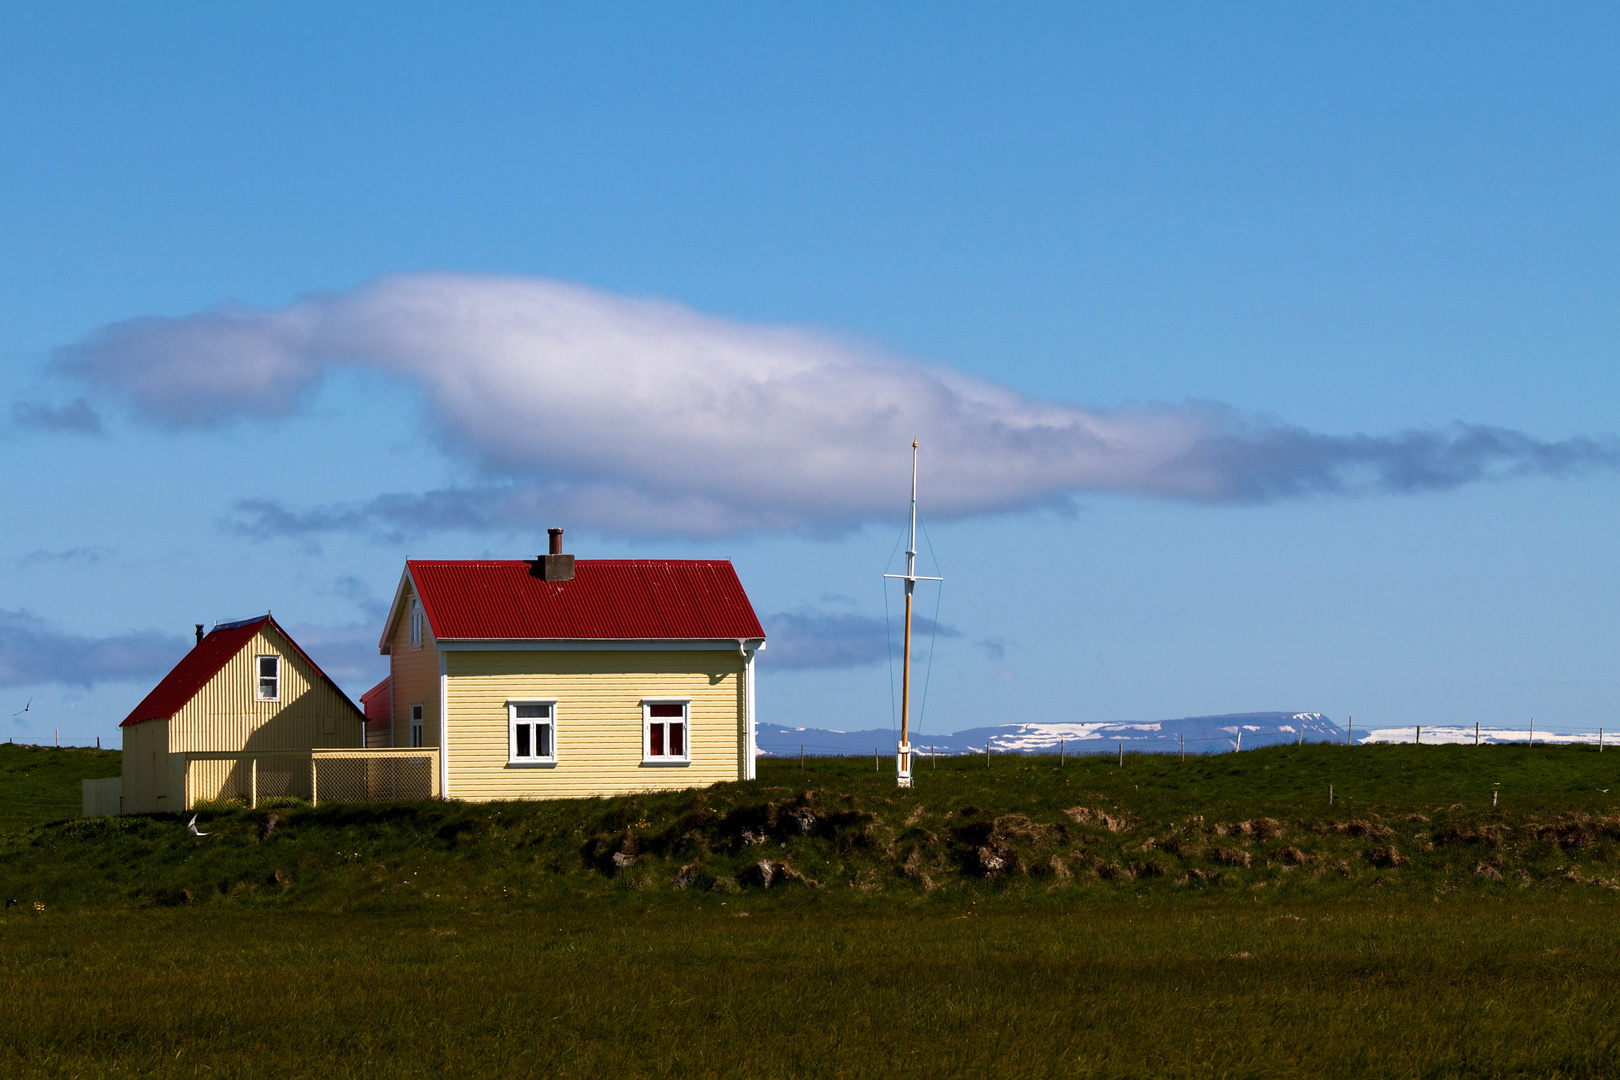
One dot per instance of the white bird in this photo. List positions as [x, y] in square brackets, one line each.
[191, 826]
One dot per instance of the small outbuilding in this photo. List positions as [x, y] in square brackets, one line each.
[245, 689]
[551, 678]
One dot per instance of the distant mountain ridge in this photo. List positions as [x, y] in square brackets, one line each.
[1202, 735]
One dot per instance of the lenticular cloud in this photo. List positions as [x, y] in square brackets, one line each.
[644, 416]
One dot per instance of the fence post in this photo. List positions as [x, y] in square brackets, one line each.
[253, 783]
[1239, 749]
[1330, 794]
[1061, 757]
[1476, 732]
[1350, 731]
[1122, 755]
[1418, 738]
[313, 794]
[1600, 740]
[1532, 731]
[987, 753]
[875, 766]
[801, 755]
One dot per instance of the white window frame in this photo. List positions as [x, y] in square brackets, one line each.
[259, 677]
[647, 722]
[417, 726]
[416, 623]
[512, 722]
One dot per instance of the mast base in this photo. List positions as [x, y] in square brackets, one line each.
[902, 765]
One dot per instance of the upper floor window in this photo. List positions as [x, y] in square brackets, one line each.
[269, 668]
[664, 738]
[416, 623]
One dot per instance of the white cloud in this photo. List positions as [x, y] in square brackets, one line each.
[643, 416]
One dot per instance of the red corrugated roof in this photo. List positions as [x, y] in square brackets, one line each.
[203, 662]
[375, 701]
[628, 599]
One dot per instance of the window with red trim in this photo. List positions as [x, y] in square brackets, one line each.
[666, 735]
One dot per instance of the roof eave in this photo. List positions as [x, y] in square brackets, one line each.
[585, 643]
[385, 645]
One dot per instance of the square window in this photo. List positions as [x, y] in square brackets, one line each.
[531, 727]
[664, 733]
[269, 669]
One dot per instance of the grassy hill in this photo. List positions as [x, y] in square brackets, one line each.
[1402, 817]
[41, 783]
[1216, 918]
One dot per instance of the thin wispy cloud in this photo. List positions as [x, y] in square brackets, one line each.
[33, 652]
[345, 651]
[75, 556]
[75, 416]
[800, 640]
[644, 417]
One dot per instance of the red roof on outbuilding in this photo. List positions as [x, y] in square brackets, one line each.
[375, 702]
[608, 599]
[203, 662]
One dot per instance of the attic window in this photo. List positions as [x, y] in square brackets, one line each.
[665, 733]
[269, 668]
[416, 623]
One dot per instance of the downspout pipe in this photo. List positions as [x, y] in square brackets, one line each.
[751, 765]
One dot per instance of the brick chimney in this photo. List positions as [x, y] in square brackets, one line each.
[554, 566]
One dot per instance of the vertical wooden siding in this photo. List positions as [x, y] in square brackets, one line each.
[226, 713]
[146, 765]
[598, 717]
[415, 673]
[102, 798]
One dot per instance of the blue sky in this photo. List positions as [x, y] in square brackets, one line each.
[1187, 304]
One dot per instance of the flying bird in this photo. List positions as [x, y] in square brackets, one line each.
[25, 708]
[191, 826]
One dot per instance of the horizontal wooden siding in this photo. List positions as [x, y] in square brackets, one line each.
[598, 718]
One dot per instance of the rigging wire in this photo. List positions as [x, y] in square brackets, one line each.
[888, 641]
[888, 634]
[939, 596]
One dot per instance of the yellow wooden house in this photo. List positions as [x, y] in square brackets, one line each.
[239, 714]
[552, 678]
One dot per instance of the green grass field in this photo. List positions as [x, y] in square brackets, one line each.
[41, 783]
[1214, 918]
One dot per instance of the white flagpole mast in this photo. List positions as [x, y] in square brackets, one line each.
[903, 751]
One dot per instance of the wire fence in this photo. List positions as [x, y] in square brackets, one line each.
[1038, 744]
[319, 776]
